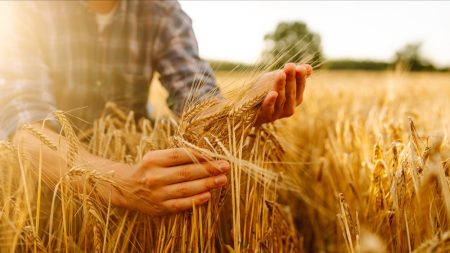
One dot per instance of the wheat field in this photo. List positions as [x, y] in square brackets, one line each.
[373, 154]
[362, 166]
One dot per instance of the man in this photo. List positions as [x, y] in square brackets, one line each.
[70, 55]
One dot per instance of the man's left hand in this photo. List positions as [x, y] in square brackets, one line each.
[286, 94]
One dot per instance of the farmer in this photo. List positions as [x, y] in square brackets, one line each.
[77, 55]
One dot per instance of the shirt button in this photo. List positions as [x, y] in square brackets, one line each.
[98, 83]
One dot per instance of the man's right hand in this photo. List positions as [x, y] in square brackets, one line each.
[169, 181]
[166, 181]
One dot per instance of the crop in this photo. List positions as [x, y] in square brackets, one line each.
[363, 166]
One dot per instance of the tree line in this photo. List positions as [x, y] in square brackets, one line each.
[295, 42]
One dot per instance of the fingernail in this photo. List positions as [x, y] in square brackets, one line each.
[220, 180]
[224, 166]
[309, 70]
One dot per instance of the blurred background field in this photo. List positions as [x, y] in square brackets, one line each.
[364, 147]
[364, 88]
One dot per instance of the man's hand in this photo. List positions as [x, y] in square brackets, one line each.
[169, 181]
[286, 94]
[166, 181]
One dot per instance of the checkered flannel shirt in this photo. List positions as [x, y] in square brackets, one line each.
[56, 59]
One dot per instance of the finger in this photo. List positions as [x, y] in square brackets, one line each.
[189, 172]
[268, 105]
[301, 72]
[191, 188]
[172, 157]
[279, 87]
[290, 92]
[309, 70]
[183, 204]
[267, 108]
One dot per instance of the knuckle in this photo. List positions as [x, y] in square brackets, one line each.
[151, 180]
[175, 155]
[147, 156]
[184, 173]
[147, 182]
[182, 191]
[147, 162]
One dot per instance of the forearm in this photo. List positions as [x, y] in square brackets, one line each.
[54, 162]
[165, 181]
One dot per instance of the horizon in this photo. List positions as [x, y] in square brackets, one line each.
[348, 29]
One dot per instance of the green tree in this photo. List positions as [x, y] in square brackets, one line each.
[292, 42]
[410, 58]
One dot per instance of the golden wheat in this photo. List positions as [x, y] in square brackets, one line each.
[363, 166]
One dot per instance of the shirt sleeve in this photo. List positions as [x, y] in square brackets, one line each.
[25, 94]
[181, 70]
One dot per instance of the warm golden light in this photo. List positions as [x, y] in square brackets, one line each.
[6, 30]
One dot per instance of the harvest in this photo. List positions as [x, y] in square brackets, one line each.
[363, 166]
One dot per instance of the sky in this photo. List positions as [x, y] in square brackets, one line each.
[234, 30]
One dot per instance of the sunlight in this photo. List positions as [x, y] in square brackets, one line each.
[6, 31]
[5, 18]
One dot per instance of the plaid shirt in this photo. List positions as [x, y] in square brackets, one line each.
[56, 58]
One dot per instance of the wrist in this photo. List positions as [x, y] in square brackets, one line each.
[115, 175]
